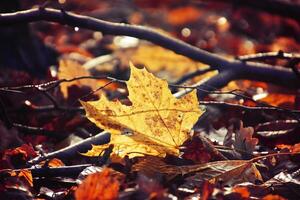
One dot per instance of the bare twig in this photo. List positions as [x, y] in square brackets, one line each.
[186, 77]
[269, 55]
[37, 131]
[204, 88]
[248, 108]
[73, 150]
[293, 64]
[65, 171]
[243, 70]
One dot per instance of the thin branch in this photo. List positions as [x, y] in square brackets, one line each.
[73, 150]
[293, 65]
[47, 108]
[203, 88]
[248, 70]
[269, 55]
[64, 171]
[189, 76]
[247, 108]
[209, 85]
[37, 131]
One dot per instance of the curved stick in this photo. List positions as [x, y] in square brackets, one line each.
[217, 62]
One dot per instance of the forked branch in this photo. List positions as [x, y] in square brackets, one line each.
[237, 69]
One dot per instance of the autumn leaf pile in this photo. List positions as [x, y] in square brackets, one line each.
[120, 118]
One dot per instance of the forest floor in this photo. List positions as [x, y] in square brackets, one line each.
[80, 117]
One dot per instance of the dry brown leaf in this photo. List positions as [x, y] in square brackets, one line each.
[229, 171]
[243, 141]
[24, 174]
[99, 186]
[157, 123]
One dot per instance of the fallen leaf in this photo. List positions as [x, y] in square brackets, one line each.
[26, 151]
[196, 151]
[207, 190]
[55, 162]
[273, 197]
[164, 62]
[99, 186]
[24, 175]
[243, 141]
[229, 171]
[243, 191]
[293, 148]
[151, 188]
[183, 15]
[281, 100]
[69, 69]
[157, 123]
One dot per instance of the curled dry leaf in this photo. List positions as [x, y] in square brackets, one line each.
[24, 175]
[243, 140]
[230, 171]
[99, 186]
[157, 123]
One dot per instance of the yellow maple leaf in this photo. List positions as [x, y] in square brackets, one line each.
[156, 123]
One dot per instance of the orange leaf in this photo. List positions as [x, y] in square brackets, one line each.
[23, 174]
[26, 150]
[243, 191]
[183, 15]
[26, 175]
[273, 197]
[55, 162]
[99, 186]
[277, 99]
[293, 148]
